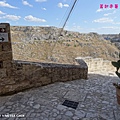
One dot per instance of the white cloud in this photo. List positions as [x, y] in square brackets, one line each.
[33, 19]
[104, 20]
[66, 5]
[2, 13]
[111, 27]
[44, 9]
[26, 3]
[110, 13]
[40, 0]
[11, 17]
[106, 9]
[61, 5]
[107, 14]
[99, 10]
[4, 4]
[117, 23]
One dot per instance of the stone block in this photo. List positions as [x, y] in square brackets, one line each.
[77, 75]
[69, 74]
[28, 70]
[55, 78]
[3, 73]
[19, 78]
[45, 72]
[38, 84]
[10, 89]
[0, 47]
[55, 70]
[84, 74]
[5, 56]
[64, 74]
[1, 64]
[18, 75]
[55, 75]
[7, 64]
[7, 81]
[74, 77]
[11, 72]
[64, 79]
[5, 46]
[17, 66]
[45, 80]
[73, 71]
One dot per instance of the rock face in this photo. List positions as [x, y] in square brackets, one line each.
[30, 33]
[112, 37]
[117, 44]
[49, 44]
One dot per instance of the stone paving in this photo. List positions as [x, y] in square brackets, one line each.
[96, 97]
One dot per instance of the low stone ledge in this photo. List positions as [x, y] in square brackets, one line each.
[97, 65]
[81, 62]
[24, 75]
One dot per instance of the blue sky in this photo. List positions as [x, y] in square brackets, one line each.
[86, 17]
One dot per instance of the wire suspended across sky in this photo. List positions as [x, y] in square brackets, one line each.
[68, 16]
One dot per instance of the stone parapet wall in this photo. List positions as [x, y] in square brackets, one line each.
[16, 76]
[22, 75]
[98, 64]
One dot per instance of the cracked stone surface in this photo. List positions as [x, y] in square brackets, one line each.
[96, 97]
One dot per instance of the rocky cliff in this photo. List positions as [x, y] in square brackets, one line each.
[51, 45]
[112, 37]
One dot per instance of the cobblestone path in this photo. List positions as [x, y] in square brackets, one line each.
[96, 97]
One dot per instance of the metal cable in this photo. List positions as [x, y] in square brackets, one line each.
[64, 23]
[66, 13]
[69, 14]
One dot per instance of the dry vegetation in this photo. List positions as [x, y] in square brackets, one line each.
[66, 48]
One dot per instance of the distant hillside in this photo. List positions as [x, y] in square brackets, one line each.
[47, 44]
[112, 37]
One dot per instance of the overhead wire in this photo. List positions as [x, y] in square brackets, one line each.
[64, 24]
[64, 17]
[69, 14]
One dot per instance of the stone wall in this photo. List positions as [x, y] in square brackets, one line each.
[16, 76]
[23, 75]
[97, 64]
